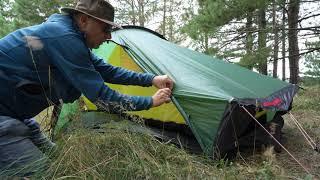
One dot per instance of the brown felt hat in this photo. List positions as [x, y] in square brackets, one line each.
[98, 9]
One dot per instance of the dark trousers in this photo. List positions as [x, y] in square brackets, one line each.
[21, 145]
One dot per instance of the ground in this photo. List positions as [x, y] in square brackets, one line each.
[306, 111]
[115, 153]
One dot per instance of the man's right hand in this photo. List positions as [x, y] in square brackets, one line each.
[161, 96]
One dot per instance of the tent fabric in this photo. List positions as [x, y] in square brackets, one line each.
[69, 111]
[205, 87]
[195, 74]
[117, 56]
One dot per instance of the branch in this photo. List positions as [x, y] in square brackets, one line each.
[307, 17]
[231, 41]
[309, 1]
[315, 34]
[312, 28]
[303, 53]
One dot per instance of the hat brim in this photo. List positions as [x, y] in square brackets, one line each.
[73, 10]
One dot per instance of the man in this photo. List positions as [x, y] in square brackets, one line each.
[52, 62]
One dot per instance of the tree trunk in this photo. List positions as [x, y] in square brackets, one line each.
[284, 41]
[164, 18]
[293, 12]
[141, 12]
[133, 20]
[206, 43]
[171, 20]
[249, 40]
[276, 41]
[262, 42]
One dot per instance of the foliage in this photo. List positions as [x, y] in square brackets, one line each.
[307, 81]
[220, 12]
[312, 61]
[21, 13]
[308, 98]
[162, 16]
[27, 13]
[266, 171]
[213, 28]
[6, 26]
[172, 20]
[135, 12]
[222, 26]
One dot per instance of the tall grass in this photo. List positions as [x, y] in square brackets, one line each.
[121, 154]
[115, 152]
[308, 98]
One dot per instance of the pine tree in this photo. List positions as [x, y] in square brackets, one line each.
[293, 12]
[135, 12]
[5, 19]
[30, 12]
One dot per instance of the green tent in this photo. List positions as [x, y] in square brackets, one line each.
[209, 96]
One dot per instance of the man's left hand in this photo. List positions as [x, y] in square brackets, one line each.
[163, 81]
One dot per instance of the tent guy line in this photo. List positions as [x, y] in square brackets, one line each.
[304, 133]
[307, 171]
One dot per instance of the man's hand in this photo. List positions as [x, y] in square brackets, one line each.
[162, 81]
[161, 96]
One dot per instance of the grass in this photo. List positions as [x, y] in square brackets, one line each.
[122, 154]
[306, 110]
[118, 153]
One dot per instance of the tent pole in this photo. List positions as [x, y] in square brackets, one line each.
[184, 114]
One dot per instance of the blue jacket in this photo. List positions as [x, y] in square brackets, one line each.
[41, 64]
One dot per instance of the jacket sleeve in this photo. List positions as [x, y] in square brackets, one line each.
[118, 75]
[73, 59]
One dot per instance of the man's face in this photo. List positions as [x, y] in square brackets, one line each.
[96, 32]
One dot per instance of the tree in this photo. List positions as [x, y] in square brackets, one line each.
[283, 40]
[27, 13]
[5, 21]
[163, 16]
[312, 60]
[248, 59]
[276, 40]
[172, 20]
[262, 42]
[293, 12]
[234, 38]
[135, 12]
[247, 30]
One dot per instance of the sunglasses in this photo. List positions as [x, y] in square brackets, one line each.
[108, 29]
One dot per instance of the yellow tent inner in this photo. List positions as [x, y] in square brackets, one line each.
[119, 57]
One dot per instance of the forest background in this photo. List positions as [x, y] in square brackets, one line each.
[279, 38]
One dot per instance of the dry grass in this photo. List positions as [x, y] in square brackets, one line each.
[121, 154]
[117, 153]
[305, 110]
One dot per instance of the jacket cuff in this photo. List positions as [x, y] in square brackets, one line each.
[150, 78]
